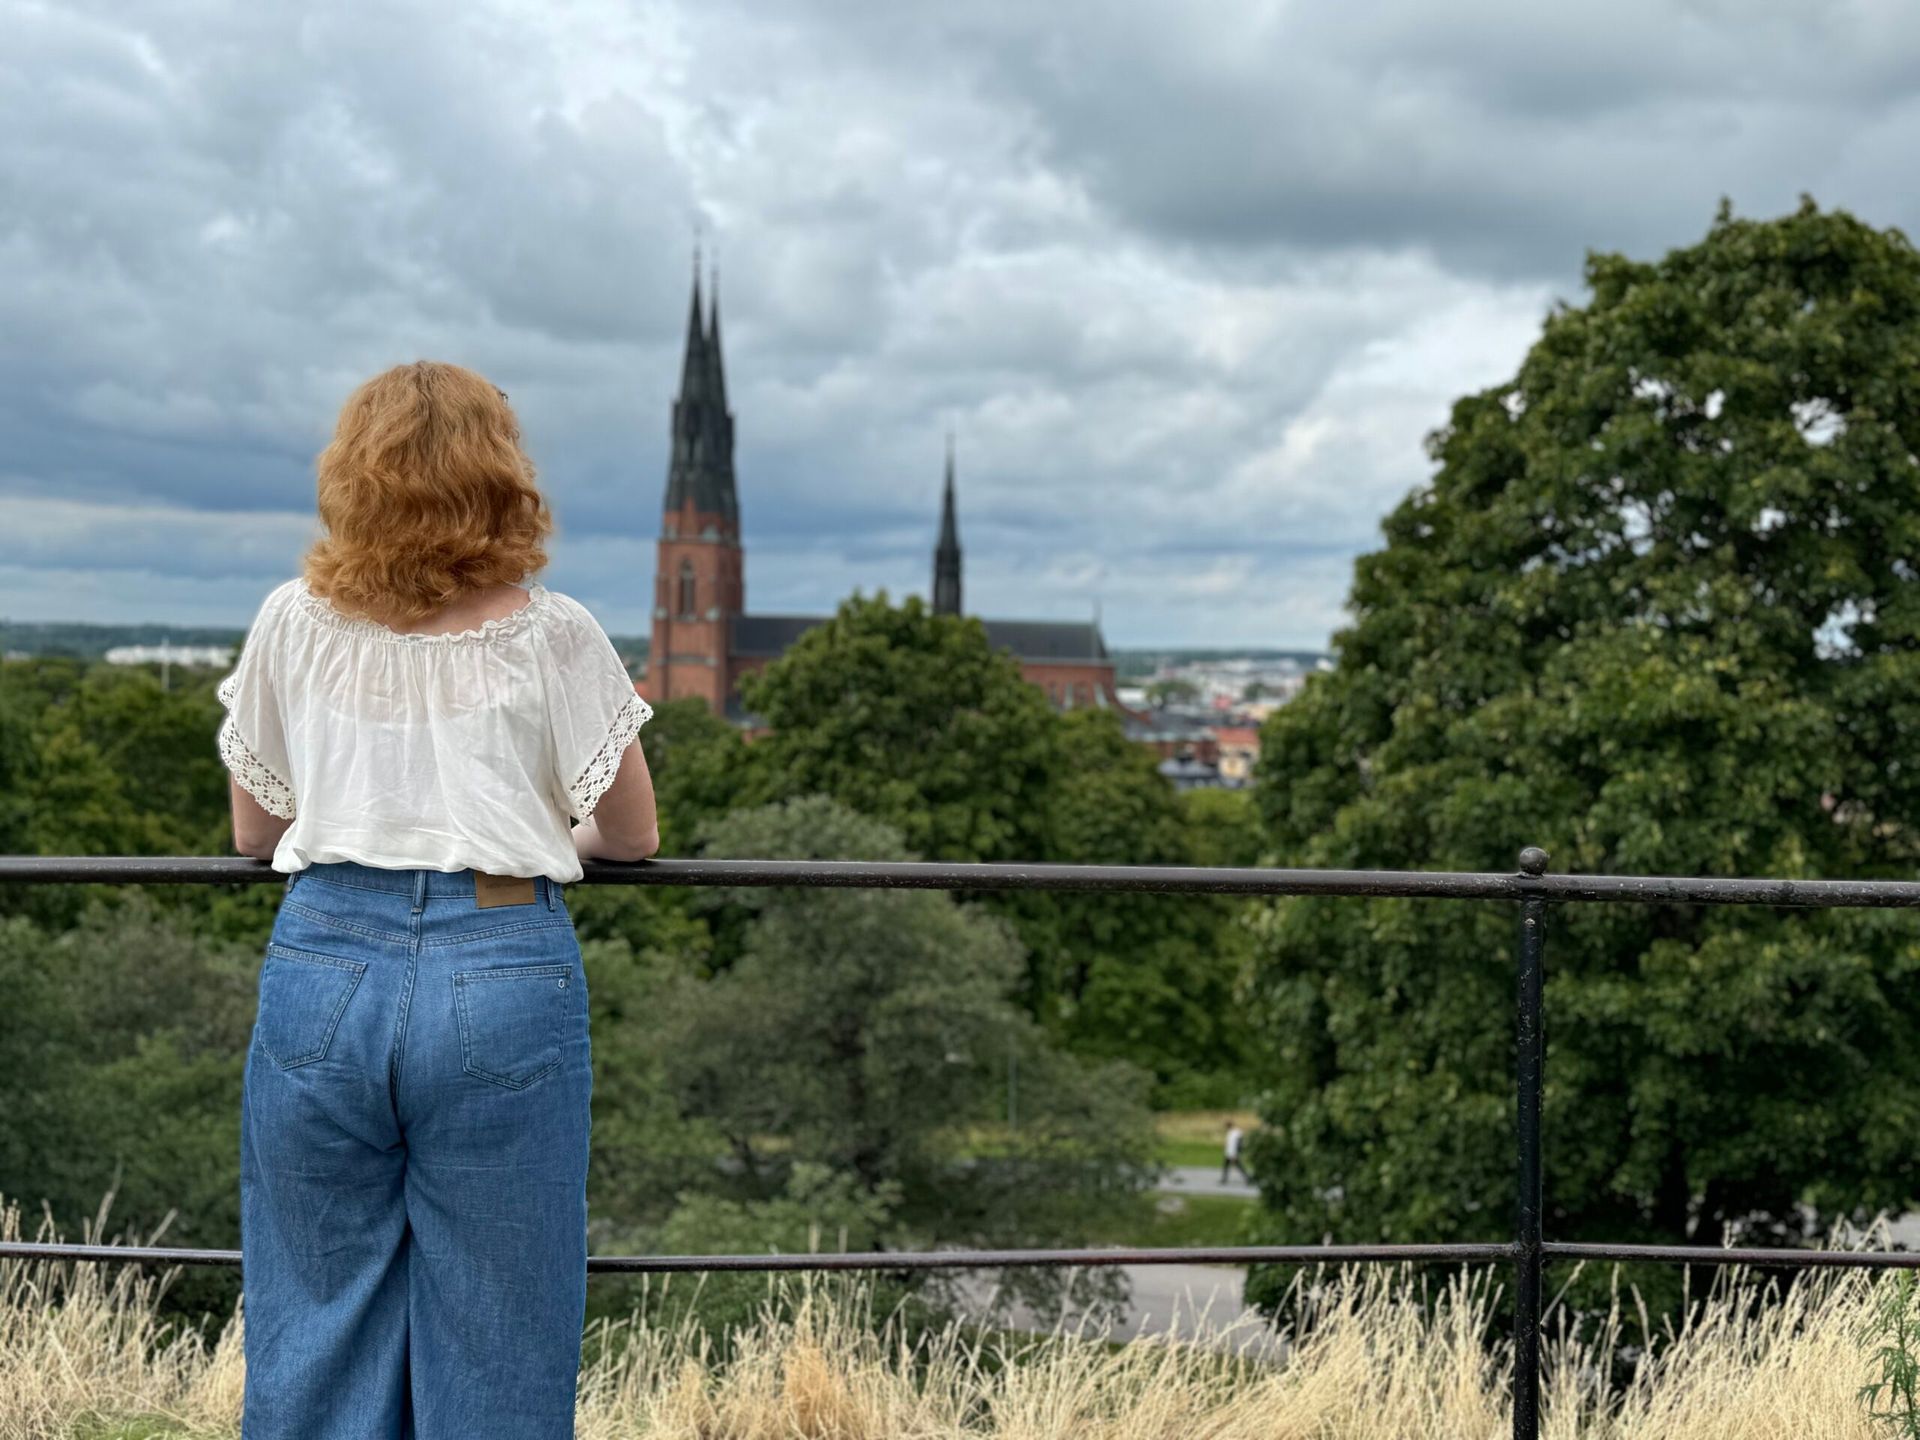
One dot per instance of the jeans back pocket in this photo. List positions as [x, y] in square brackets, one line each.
[302, 997]
[513, 1020]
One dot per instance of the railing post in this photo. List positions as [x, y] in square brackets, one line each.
[1529, 1068]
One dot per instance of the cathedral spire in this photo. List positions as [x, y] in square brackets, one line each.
[700, 469]
[946, 555]
[695, 359]
[713, 350]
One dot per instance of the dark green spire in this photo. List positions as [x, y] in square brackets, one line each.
[946, 555]
[717, 367]
[700, 467]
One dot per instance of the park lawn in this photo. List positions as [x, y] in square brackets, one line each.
[1195, 1137]
[1165, 1221]
[1181, 1137]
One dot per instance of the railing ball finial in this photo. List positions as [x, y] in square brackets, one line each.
[1533, 861]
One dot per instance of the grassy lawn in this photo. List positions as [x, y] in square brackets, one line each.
[1194, 1137]
[1174, 1222]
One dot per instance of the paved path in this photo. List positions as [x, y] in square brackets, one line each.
[1195, 1300]
[1188, 1301]
[1205, 1180]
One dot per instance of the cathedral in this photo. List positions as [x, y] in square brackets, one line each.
[704, 639]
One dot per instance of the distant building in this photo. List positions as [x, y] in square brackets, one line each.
[213, 656]
[1239, 747]
[1175, 732]
[1191, 774]
[704, 639]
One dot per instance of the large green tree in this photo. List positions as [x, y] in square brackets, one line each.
[100, 759]
[915, 719]
[873, 1033]
[120, 1068]
[1154, 979]
[1657, 611]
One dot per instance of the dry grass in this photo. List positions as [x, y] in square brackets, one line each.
[82, 1355]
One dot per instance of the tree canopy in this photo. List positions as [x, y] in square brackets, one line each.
[1657, 612]
[873, 1034]
[913, 718]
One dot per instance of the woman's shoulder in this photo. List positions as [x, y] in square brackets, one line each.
[567, 610]
[282, 599]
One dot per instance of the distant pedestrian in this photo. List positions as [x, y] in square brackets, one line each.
[1230, 1160]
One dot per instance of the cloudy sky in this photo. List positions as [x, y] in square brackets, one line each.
[1188, 282]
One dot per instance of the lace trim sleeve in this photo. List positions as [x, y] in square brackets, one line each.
[256, 777]
[592, 783]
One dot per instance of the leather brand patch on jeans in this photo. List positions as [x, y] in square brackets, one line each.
[491, 890]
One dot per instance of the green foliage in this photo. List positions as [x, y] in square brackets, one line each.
[644, 1152]
[129, 768]
[1180, 1222]
[1657, 611]
[1223, 826]
[99, 759]
[914, 719]
[699, 765]
[18, 761]
[1895, 1330]
[853, 1021]
[124, 1046]
[817, 1210]
[1148, 978]
[869, 1032]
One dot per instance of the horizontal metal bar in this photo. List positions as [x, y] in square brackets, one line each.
[829, 874]
[1716, 1255]
[865, 1260]
[1010, 1259]
[1161, 879]
[1028, 1259]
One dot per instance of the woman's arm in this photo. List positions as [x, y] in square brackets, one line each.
[624, 825]
[255, 831]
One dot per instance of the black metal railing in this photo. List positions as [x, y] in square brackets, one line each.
[1530, 888]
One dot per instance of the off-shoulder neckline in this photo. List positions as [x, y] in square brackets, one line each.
[320, 609]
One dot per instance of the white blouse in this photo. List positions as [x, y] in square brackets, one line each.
[436, 752]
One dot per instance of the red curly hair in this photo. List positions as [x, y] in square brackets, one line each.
[425, 494]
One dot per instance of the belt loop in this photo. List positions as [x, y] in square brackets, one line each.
[292, 876]
[547, 882]
[419, 891]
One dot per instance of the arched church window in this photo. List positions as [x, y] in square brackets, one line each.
[686, 588]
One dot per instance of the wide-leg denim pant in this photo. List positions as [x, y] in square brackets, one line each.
[413, 1163]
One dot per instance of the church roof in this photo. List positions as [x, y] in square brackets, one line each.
[759, 635]
[1059, 642]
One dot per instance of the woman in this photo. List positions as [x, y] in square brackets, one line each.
[409, 729]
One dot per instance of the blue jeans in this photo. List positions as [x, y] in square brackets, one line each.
[413, 1162]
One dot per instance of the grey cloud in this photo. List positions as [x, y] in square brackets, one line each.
[1507, 139]
[1190, 292]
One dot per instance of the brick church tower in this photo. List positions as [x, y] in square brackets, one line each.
[699, 579]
